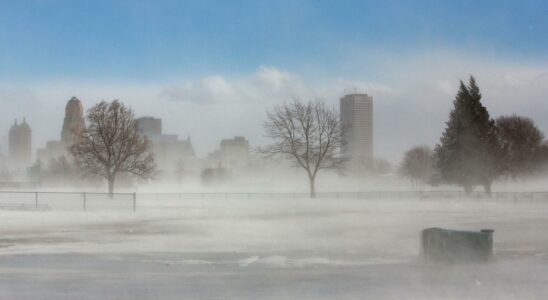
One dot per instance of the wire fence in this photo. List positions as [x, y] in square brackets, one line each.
[366, 195]
[26, 200]
[86, 201]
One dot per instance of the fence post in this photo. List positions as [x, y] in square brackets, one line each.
[36, 200]
[134, 201]
[84, 195]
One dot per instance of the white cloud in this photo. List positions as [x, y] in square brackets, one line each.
[275, 79]
[267, 84]
[412, 99]
[207, 90]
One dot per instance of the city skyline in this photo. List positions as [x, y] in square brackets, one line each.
[155, 59]
[282, 149]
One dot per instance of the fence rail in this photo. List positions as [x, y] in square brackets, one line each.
[48, 200]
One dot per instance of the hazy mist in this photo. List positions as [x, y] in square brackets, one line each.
[220, 106]
[252, 175]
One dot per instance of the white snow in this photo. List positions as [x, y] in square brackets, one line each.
[268, 249]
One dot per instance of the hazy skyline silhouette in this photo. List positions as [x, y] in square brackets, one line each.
[211, 70]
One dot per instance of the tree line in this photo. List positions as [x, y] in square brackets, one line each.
[475, 149]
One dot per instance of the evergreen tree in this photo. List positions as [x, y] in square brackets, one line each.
[469, 152]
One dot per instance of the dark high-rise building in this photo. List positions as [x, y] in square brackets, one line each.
[357, 117]
[74, 122]
[20, 144]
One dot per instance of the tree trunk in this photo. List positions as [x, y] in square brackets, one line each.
[312, 187]
[111, 187]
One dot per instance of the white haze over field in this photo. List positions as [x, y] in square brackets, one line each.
[228, 224]
[413, 90]
[262, 248]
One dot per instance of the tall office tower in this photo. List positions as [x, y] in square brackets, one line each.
[20, 137]
[74, 122]
[357, 117]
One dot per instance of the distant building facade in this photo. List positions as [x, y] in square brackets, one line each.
[169, 151]
[53, 149]
[20, 144]
[150, 127]
[73, 123]
[233, 153]
[356, 112]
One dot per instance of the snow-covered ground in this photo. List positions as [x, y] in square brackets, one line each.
[269, 249]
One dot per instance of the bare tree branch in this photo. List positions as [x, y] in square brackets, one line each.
[310, 134]
[111, 144]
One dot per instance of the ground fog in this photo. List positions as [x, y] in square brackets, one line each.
[269, 248]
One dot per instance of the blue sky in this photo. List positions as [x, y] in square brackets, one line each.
[210, 69]
[155, 40]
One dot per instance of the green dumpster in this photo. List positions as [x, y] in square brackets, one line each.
[456, 246]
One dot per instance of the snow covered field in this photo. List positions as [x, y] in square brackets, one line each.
[269, 249]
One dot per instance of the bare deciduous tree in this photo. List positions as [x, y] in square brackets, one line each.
[111, 144]
[309, 134]
[522, 144]
[417, 165]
